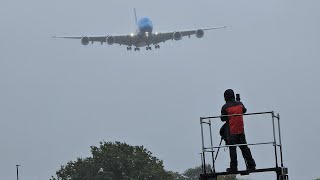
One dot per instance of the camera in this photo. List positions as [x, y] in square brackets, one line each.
[238, 97]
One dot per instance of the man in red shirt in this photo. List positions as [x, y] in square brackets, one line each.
[235, 131]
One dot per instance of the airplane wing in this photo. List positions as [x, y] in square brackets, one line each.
[130, 40]
[177, 35]
[120, 39]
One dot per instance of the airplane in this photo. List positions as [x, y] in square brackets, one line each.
[144, 36]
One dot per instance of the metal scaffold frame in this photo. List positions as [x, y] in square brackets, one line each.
[281, 171]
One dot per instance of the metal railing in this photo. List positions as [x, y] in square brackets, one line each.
[210, 149]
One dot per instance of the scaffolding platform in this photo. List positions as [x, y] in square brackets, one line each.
[280, 170]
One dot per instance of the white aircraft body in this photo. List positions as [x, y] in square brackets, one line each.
[144, 36]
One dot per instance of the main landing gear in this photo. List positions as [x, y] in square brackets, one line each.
[156, 46]
[129, 48]
[136, 49]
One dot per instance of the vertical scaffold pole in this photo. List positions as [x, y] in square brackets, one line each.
[212, 152]
[274, 140]
[203, 150]
[281, 157]
[201, 161]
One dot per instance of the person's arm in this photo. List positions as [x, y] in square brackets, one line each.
[224, 112]
[244, 110]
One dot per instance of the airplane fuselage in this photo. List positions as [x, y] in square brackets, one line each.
[144, 32]
[145, 26]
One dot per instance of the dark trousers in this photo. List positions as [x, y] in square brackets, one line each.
[246, 153]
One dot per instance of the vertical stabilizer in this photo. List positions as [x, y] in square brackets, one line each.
[135, 17]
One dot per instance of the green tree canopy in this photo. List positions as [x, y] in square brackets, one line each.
[116, 161]
[194, 174]
[120, 161]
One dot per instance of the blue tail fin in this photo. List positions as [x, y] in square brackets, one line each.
[135, 17]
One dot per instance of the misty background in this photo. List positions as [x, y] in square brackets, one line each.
[57, 97]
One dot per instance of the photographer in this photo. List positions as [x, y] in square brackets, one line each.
[234, 129]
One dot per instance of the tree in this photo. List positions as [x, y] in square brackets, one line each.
[177, 176]
[120, 161]
[194, 173]
[115, 161]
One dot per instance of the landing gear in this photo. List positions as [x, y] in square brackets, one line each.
[136, 49]
[148, 48]
[157, 46]
[129, 48]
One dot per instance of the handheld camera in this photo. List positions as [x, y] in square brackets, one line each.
[238, 97]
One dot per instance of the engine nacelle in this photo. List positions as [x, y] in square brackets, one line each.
[111, 40]
[200, 33]
[85, 40]
[177, 36]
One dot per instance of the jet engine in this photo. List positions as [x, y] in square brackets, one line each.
[85, 40]
[177, 36]
[110, 40]
[199, 33]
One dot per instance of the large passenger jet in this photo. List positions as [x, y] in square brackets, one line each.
[144, 36]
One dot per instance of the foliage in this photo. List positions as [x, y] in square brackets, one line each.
[120, 161]
[177, 176]
[115, 161]
[194, 173]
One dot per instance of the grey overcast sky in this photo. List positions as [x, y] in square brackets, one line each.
[57, 97]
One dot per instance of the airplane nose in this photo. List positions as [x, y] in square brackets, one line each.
[148, 29]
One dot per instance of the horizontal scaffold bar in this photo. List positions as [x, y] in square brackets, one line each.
[247, 114]
[252, 144]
